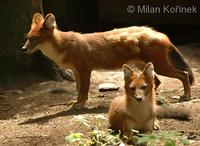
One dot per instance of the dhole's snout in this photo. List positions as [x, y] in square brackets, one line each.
[25, 47]
[139, 95]
[139, 98]
[30, 46]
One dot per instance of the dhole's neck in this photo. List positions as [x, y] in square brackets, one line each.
[59, 46]
[52, 48]
[49, 50]
[143, 110]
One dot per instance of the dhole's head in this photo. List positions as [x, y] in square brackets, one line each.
[139, 85]
[41, 30]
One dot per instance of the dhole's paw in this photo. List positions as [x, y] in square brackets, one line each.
[156, 125]
[76, 105]
[185, 98]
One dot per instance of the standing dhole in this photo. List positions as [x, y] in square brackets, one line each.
[83, 53]
[137, 109]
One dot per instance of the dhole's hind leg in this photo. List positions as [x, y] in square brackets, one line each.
[82, 85]
[183, 76]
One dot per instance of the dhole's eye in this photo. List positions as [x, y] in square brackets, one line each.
[143, 87]
[132, 88]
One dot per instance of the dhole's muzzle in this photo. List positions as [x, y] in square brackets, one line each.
[139, 95]
[30, 45]
[25, 47]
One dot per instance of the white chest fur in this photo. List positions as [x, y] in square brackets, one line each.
[50, 51]
[140, 111]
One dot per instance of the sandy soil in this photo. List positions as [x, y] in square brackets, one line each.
[35, 111]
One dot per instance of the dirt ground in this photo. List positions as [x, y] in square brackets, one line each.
[34, 111]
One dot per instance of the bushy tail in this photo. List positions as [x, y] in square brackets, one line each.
[173, 112]
[177, 59]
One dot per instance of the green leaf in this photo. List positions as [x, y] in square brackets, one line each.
[146, 139]
[74, 137]
[170, 143]
[184, 141]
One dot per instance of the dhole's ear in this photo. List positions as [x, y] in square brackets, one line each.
[128, 72]
[37, 18]
[149, 70]
[49, 22]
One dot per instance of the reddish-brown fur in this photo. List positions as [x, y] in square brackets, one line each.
[104, 50]
[137, 108]
[130, 111]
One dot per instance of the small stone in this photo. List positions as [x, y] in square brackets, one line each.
[108, 87]
[176, 97]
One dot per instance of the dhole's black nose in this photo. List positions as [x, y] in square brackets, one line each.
[23, 48]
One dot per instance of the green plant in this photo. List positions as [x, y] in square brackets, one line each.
[96, 137]
[104, 138]
[165, 138]
[76, 138]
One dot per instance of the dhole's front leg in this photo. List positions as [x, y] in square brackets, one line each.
[156, 125]
[82, 84]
